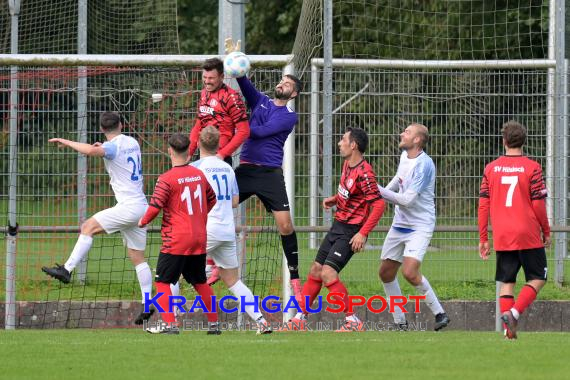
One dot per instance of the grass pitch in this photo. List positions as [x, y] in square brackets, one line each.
[133, 354]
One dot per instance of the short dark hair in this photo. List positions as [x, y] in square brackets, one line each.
[213, 64]
[210, 138]
[179, 142]
[360, 137]
[514, 134]
[298, 83]
[109, 121]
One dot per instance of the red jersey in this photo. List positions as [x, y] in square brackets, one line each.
[185, 197]
[357, 191]
[225, 110]
[513, 192]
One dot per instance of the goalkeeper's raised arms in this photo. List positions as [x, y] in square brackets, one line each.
[230, 47]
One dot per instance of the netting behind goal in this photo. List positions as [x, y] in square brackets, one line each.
[48, 209]
[426, 30]
[464, 110]
[114, 27]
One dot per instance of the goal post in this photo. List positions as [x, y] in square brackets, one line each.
[78, 85]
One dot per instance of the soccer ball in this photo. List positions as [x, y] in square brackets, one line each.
[236, 64]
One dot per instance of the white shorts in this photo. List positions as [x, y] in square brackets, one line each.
[125, 218]
[223, 253]
[398, 245]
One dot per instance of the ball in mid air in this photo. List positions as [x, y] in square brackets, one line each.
[236, 64]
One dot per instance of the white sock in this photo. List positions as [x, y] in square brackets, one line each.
[300, 316]
[261, 320]
[515, 313]
[239, 289]
[431, 300]
[353, 318]
[393, 289]
[175, 288]
[145, 279]
[79, 252]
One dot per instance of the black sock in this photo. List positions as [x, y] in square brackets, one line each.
[290, 248]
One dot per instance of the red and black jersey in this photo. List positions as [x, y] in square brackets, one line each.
[185, 197]
[513, 192]
[225, 110]
[356, 191]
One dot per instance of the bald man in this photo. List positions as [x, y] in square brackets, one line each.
[412, 191]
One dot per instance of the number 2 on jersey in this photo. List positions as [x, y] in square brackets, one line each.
[185, 196]
[134, 176]
[512, 181]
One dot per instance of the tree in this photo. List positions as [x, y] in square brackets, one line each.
[270, 26]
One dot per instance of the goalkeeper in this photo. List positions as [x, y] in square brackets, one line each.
[259, 173]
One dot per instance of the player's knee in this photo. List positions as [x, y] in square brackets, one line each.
[384, 275]
[136, 256]
[387, 274]
[315, 270]
[328, 274]
[537, 284]
[89, 227]
[412, 276]
[229, 276]
[285, 228]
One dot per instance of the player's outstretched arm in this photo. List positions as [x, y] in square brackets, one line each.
[87, 149]
[248, 90]
[392, 185]
[405, 199]
[229, 45]
[252, 96]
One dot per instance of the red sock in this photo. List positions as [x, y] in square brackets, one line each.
[525, 298]
[205, 291]
[336, 286]
[505, 303]
[312, 288]
[163, 301]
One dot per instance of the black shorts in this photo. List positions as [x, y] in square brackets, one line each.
[170, 267]
[265, 182]
[533, 262]
[335, 250]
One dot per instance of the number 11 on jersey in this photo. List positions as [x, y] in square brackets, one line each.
[185, 196]
[221, 196]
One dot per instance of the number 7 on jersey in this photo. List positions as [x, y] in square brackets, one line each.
[512, 181]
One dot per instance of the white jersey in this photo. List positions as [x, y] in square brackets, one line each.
[123, 163]
[417, 174]
[220, 175]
